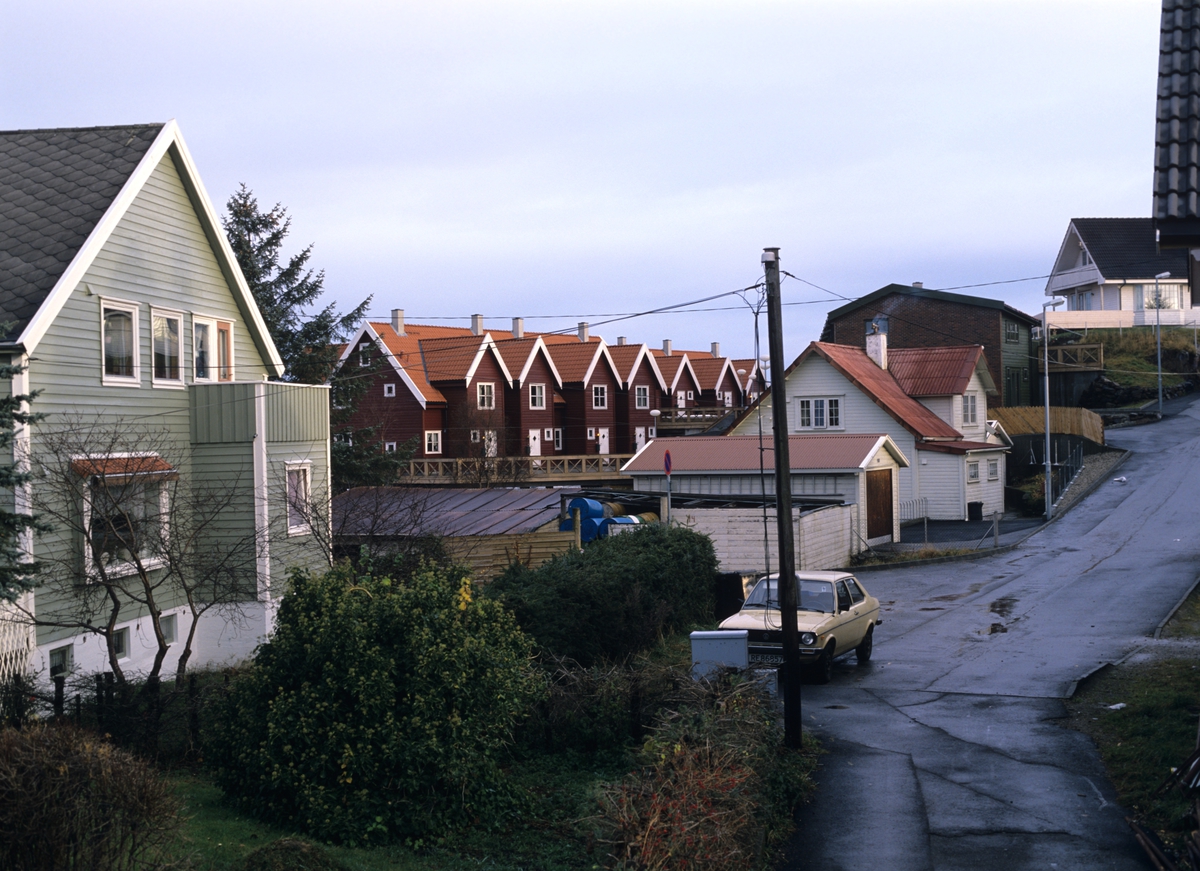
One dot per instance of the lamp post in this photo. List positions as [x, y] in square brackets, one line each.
[1054, 303]
[1158, 333]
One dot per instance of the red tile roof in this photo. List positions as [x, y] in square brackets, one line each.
[627, 358]
[710, 370]
[882, 387]
[741, 453]
[577, 360]
[934, 371]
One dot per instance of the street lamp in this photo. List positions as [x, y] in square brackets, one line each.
[1054, 303]
[1158, 333]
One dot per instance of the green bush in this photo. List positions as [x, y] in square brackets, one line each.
[378, 709]
[69, 801]
[290, 854]
[617, 596]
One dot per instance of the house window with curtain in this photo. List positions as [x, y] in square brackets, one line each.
[537, 395]
[119, 329]
[167, 337]
[970, 412]
[641, 396]
[299, 499]
[485, 395]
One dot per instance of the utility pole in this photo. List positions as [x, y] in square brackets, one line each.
[783, 505]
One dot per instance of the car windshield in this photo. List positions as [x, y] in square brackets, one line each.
[813, 595]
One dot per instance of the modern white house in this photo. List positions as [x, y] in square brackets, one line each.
[1105, 270]
[930, 401]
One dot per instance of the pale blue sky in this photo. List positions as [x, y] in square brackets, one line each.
[584, 158]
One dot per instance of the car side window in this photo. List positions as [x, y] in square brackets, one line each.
[843, 596]
[856, 593]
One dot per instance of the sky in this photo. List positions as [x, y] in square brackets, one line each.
[585, 161]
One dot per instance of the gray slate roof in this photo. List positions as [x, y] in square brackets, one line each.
[1125, 248]
[55, 185]
[1177, 124]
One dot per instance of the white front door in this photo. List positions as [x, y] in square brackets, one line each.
[681, 399]
[639, 438]
[602, 438]
[535, 443]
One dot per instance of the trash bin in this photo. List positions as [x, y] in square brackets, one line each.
[975, 512]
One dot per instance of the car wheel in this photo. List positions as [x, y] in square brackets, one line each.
[823, 668]
[863, 652]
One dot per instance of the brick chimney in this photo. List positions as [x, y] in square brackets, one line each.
[583, 331]
[620, 340]
[667, 347]
[877, 346]
[477, 325]
[398, 321]
[518, 329]
[716, 349]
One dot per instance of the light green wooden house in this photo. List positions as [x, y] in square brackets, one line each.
[180, 483]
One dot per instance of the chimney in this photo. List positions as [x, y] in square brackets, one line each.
[477, 325]
[918, 284]
[519, 328]
[583, 331]
[667, 347]
[398, 321]
[877, 346]
[620, 340]
[716, 349]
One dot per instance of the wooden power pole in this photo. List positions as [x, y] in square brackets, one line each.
[792, 726]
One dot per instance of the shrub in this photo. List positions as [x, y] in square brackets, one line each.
[377, 710]
[714, 786]
[617, 596]
[68, 801]
[290, 854]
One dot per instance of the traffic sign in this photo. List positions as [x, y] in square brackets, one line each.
[667, 463]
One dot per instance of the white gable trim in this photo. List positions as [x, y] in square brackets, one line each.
[686, 364]
[721, 375]
[601, 351]
[368, 331]
[488, 344]
[1070, 278]
[644, 354]
[170, 140]
[539, 344]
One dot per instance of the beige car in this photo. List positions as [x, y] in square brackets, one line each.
[834, 615]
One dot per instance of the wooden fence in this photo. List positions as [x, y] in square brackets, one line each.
[1031, 420]
[498, 471]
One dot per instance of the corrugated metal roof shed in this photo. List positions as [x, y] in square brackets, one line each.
[387, 511]
[706, 454]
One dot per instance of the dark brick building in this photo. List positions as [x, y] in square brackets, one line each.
[913, 317]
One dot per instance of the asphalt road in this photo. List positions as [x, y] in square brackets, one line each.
[943, 752]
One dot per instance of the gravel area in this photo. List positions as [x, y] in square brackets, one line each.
[1095, 469]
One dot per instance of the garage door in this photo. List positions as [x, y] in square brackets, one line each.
[879, 503]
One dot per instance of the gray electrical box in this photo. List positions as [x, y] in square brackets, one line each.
[719, 649]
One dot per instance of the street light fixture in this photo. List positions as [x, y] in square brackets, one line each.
[1158, 333]
[1054, 303]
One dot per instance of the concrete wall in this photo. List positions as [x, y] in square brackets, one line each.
[824, 536]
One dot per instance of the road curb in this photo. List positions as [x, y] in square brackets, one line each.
[1102, 667]
[1165, 620]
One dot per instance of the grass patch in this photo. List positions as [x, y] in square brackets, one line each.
[1142, 742]
[1185, 623]
[881, 558]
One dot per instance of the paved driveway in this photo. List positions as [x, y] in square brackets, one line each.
[944, 752]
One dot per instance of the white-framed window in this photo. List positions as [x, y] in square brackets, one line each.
[973, 472]
[62, 660]
[389, 390]
[537, 395]
[558, 439]
[166, 341]
[121, 643]
[993, 470]
[599, 396]
[389, 447]
[819, 413]
[1012, 332]
[548, 434]
[591, 433]
[970, 412]
[485, 395]
[125, 512]
[119, 340]
[475, 436]
[641, 396]
[168, 624]
[652, 432]
[433, 440]
[364, 354]
[691, 395]
[299, 498]
[212, 349]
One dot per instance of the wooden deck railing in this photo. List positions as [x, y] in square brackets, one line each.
[492, 471]
[1075, 358]
[693, 416]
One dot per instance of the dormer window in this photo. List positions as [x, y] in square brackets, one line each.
[969, 410]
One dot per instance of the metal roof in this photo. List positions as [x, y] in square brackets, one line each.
[406, 511]
[707, 454]
[937, 371]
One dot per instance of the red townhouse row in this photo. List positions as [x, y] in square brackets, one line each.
[464, 392]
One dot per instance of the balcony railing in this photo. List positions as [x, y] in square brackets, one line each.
[1075, 358]
[498, 471]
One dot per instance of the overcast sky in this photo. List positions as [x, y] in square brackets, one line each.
[581, 160]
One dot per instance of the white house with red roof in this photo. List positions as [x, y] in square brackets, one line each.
[931, 401]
